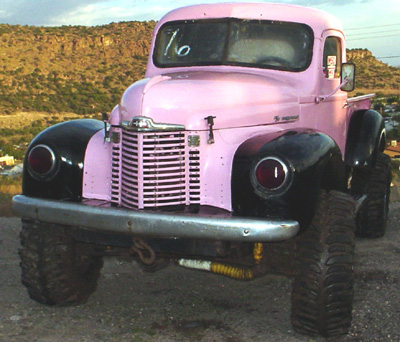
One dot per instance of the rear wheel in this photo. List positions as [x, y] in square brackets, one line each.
[56, 269]
[322, 295]
[372, 216]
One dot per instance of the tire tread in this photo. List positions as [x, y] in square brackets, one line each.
[322, 293]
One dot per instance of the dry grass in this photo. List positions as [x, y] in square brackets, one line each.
[25, 119]
[5, 205]
[9, 187]
[384, 91]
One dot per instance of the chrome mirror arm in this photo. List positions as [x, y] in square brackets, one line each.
[320, 99]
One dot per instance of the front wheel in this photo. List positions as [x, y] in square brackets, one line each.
[56, 269]
[322, 295]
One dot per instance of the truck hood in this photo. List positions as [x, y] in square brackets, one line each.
[234, 99]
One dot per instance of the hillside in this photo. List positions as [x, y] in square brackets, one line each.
[85, 69]
[373, 75]
[77, 69]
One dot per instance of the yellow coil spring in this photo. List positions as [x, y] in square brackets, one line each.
[231, 271]
[258, 252]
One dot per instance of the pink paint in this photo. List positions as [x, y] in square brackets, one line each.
[245, 101]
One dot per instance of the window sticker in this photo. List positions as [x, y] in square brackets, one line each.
[331, 72]
[331, 66]
[332, 61]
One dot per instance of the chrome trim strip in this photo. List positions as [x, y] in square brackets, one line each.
[155, 224]
[144, 124]
[53, 163]
[360, 98]
[285, 170]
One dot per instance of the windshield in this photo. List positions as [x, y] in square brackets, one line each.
[261, 44]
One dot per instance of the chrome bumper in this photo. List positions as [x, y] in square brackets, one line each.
[100, 216]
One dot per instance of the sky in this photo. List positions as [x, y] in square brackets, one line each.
[370, 24]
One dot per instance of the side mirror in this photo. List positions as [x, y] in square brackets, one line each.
[348, 76]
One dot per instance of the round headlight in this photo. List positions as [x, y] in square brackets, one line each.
[41, 161]
[271, 173]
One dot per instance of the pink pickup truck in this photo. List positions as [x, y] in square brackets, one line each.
[240, 153]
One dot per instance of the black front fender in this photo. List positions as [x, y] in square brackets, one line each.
[314, 161]
[68, 140]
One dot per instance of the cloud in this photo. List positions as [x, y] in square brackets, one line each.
[102, 14]
[325, 2]
[39, 12]
[97, 12]
[80, 12]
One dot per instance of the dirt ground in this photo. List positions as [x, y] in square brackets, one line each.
[176, 304]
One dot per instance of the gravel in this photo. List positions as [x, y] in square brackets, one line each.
[177, 304]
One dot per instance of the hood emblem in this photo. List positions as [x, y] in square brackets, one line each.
[277, 118]
[144, 124]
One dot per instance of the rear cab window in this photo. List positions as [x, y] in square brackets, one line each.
[332, 57]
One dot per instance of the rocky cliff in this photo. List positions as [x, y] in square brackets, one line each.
[79, 69]
[36, 45]
[374, 75]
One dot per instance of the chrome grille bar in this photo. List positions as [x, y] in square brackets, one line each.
[157, 170]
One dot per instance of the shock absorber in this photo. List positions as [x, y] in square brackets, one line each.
[258, 252]
[238, 273]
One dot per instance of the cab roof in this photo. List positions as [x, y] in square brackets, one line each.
[318, 20]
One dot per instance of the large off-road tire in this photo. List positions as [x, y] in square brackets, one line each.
[56, 269]
[372, 215]
[322, 295]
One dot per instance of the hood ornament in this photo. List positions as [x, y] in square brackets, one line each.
[144, 124]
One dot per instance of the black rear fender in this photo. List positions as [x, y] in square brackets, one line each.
[366, 136]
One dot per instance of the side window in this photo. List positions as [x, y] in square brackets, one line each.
[332, 57]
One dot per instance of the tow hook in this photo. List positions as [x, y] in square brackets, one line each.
[141, 248]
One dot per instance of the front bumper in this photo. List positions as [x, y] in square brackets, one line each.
[99, 216]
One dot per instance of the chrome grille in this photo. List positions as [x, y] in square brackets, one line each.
[130, 170]
[156, 169]
[194, 177]
[116, 173]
